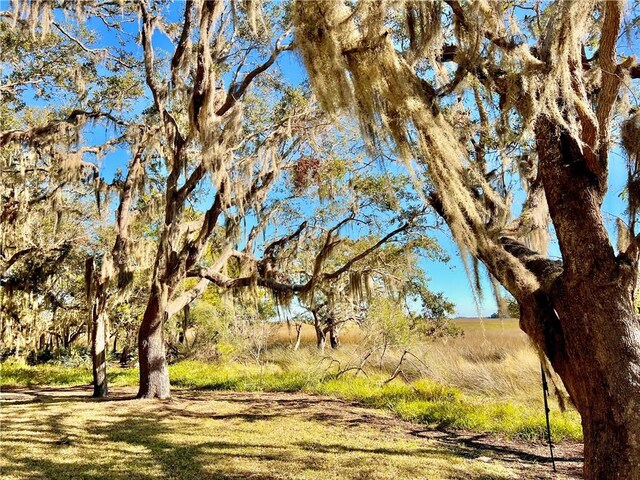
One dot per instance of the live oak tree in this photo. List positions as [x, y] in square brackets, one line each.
[83, 87]
[473, 96]
[199, 95]
[237, 142]
[189, 130]
[42, 307]
[211, 134]
[388, 275]
[476, 94]
[383, 222]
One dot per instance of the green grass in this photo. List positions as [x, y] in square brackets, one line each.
[198, 435]
[424, 401]
[18, 374]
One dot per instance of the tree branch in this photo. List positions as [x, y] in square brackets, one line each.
[181, 49]
[363, 254]
[97, 52]
[74, 119]
[236, 91]
[610, 77]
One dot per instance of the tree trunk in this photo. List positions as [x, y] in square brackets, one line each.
[321, 338]
[96, 288]
[597, 356]
[124, 356]
[611, 449]
[322, 342]
[17, 343]
[154, 374]
[334, 340]
[384, 351]
[185, 325]
[99, 350]
[601, 370]
[582, 316]
[298, 337]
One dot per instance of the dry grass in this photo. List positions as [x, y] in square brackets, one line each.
[285, 335]
[62, 434]
[493, 357]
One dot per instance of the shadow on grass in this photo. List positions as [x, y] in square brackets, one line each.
[78, 393]
[185, 461]
[474, 445]
[142, 447]
[340, 448]
[486, 443]
[162, 458]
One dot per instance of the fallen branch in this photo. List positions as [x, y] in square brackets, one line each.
[359, 368]
[398, 370]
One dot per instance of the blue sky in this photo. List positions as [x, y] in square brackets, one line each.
[450, 277]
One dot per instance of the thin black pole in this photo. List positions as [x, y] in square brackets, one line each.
[545, 394]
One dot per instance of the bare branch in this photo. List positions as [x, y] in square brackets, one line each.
[363, 254]
[96, 52]
[236, 91]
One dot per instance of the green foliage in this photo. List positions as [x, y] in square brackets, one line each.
[380, 189]
[117, 91]
[387, 323]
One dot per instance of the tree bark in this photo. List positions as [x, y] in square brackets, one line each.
[602, 373]
[583, 318]
[298, 337]
[334, 339]
[154, 374]
[610, 444]
[115, 344]
[582, 314]
[321, 338]
[99, 351]
[185, 326]
[124, 356]
[598, 359]
[97, 295]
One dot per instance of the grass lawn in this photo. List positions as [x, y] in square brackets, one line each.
[62, 434]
